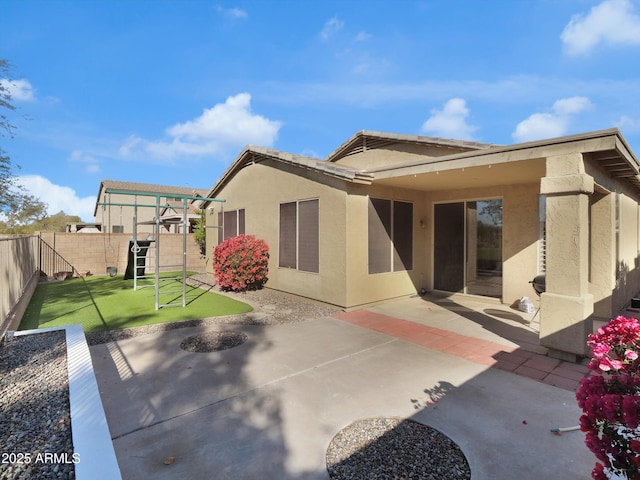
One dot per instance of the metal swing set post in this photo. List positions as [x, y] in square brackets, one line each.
[157, 223]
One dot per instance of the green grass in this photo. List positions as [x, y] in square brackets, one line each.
[104, 303]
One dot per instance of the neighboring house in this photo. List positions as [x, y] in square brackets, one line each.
[83, 228]
[386, 215]
[116, 211]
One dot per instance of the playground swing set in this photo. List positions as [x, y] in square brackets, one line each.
[138, 249]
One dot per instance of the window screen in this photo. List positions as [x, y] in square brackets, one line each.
[379, 235]
[288, 228]
[300, 235]
[390, 235]
[402, 236]
[230, 224]
[308, 236]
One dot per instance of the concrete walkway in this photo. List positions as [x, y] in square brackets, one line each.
[268, 408]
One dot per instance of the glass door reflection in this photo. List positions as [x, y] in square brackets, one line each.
[468, 247]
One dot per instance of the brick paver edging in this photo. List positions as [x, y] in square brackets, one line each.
[559, 373]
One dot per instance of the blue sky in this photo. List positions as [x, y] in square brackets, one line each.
[169, 92]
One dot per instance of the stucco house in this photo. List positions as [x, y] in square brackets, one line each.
[115, 211]
[387, 215]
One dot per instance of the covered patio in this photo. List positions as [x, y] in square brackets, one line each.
[565, 208]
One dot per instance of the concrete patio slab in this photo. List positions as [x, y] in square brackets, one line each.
[475, 317]
[268, 408]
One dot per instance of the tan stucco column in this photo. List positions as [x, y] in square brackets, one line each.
[603, 253]
[567, 305]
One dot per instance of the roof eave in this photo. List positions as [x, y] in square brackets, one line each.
[603, 139]
[360, 136]
[253, 154]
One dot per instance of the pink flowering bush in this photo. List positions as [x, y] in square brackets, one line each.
[241, 263]
[610, 400]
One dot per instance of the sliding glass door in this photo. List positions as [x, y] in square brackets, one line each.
[468, 247]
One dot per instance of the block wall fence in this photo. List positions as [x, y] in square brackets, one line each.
[94, 252]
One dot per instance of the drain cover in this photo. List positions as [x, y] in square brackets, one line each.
[384, 448]
[213, 341]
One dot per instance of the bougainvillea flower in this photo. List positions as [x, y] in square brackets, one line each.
[610, 400]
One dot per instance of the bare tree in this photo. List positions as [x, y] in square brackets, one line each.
[12, 194]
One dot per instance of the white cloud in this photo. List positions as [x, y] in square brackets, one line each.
[92, 165]
[20, 90]
[612, 21]
[362, 36]
[451, 121]
[331, 27]
[220, 130]
[551, 124]
[369, 65]
[232, 12]
[628, 124]
[58, 197]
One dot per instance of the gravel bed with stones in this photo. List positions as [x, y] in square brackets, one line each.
[270, 307]
[394, 449]
[35, 425]
[213, 341]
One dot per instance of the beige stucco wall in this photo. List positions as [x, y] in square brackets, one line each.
[365, 288]
[260, 189]
[613, 284]
[602, 278]
[628, 278]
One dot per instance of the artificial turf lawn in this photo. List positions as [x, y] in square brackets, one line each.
[104, 303]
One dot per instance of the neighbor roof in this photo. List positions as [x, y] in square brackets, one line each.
[146, 188]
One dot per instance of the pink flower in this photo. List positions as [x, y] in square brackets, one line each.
[605, 365]
[598, 472]
[600, 350]
[610, 401]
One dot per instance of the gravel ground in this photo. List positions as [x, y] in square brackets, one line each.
[394, 449]
[34, 404]
[213, 341]
[34, 408]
